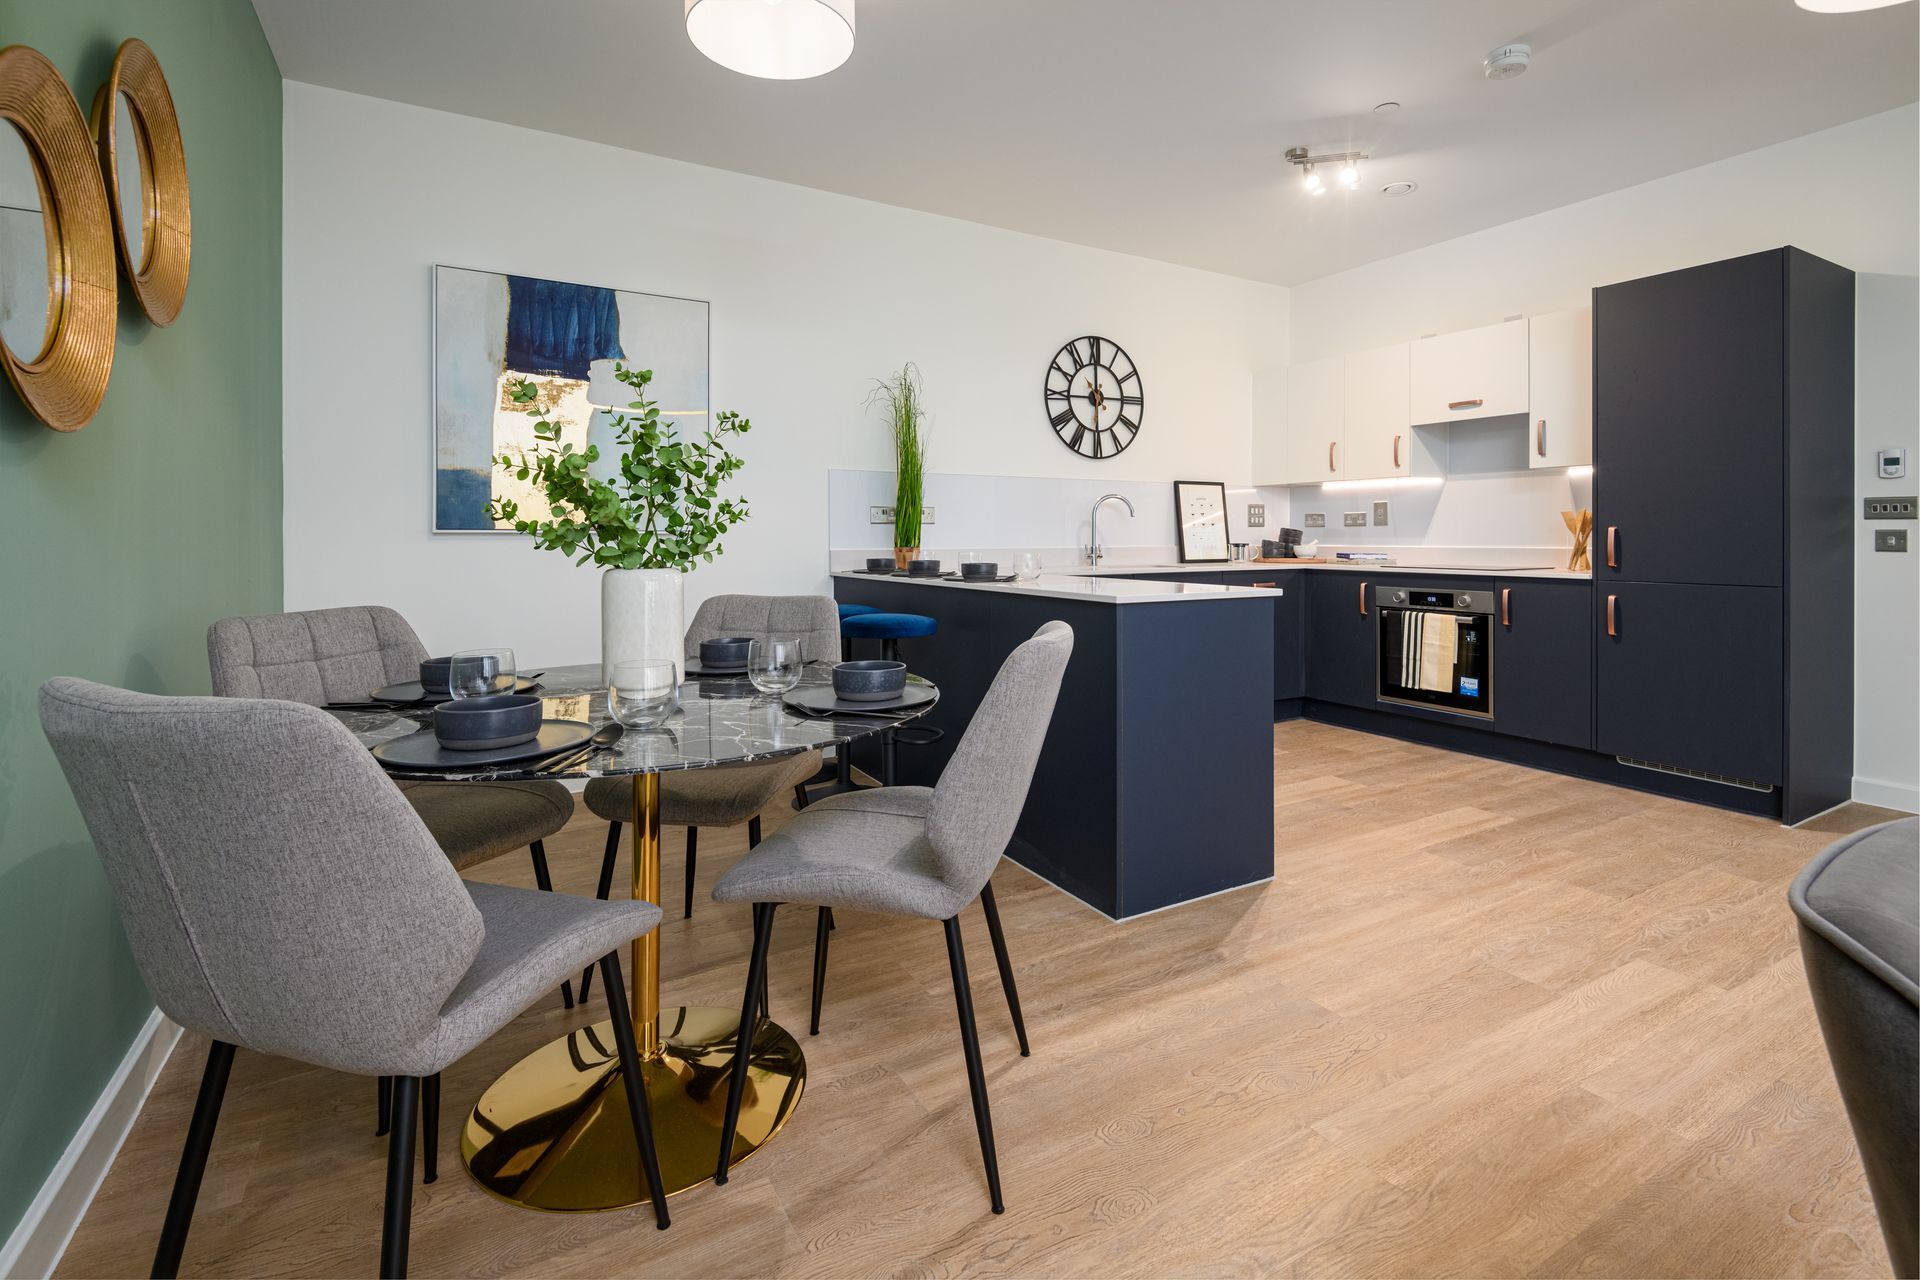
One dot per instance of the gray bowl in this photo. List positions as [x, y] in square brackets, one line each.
[923, 568]
[434, 672]
[725, 651]
[869, 680]
[498, 720]
[980, 569]
[879, 564]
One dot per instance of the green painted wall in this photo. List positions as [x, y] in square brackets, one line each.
[122, 541]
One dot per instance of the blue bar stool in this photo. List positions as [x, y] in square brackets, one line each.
[850, 611]
[890, 629]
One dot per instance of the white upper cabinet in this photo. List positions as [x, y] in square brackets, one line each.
[1378, 440]
[1476, 373]
[1270, 426]
[1560, 378]
[1315, 422]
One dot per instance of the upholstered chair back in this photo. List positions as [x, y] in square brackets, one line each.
[814, 619]
[318, 656]
[278, 891]
[980, 794]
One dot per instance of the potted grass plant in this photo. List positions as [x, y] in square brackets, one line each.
[898, 395]
[657, 516]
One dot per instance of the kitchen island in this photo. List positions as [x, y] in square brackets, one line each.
[1155, 784]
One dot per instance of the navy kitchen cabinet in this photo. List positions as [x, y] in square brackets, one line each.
[1688, 397]
[1342, 643]
[1723, 455]
[1289, 629]
[1693, 678]
[1543, 660]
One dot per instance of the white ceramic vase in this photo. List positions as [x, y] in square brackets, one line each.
[640, 618]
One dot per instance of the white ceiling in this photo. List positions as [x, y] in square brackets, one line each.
[1156, 127]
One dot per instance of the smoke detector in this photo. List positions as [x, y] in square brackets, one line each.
[1508, 61]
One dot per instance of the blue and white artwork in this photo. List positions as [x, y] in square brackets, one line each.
[490, 330]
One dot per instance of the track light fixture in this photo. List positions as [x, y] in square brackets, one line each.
[1347, 172]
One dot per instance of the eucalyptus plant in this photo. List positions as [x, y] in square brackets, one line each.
[663, 510]
[900, 396]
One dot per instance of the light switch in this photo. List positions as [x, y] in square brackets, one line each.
[1380, 512]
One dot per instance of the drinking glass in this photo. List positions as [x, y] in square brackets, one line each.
[773, 664]
[1028, 566]
[643, 695]
[475, 673]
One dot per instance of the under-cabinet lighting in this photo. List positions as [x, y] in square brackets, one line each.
[1576, 473]
[1392, 482]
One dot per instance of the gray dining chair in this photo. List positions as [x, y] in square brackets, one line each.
[919, 852]
[728, 796]
[1858, 905]
[279, 895]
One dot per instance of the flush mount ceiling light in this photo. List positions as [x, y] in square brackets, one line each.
[1399, 188]
[1346, 165]
[773, 39]
[1845, 6]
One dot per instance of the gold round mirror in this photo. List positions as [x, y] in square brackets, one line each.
[144, 164]
[57, 291]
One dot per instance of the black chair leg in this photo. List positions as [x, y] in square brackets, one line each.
[399, 1214]
[545, 882]
[970, 1044]
[830, 921]
[630, 1071]
[1006, 967]
[753, 831]
[430, 1127]
[743, 1041]
[693, 857]
[820, 929]
[193, 1160]
[385, 1121]
[799, 795]
[606, 887]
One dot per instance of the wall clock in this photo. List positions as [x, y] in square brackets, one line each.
[1095, 400]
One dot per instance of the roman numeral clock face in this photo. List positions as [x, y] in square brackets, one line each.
[1094, 397]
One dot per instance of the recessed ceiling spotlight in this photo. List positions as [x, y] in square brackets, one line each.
[1508, 61]
[1399, 188]
[1845, 6]
[1386, 108]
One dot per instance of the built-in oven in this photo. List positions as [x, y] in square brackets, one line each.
[1436, 648]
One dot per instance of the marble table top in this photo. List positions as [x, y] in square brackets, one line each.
[721, 721]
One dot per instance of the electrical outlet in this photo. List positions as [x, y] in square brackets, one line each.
[1380, 512]
[884, 515]
[1314, 520]
[1256, 515]
[1889, 539]
[1356, 520]
[1890, 508]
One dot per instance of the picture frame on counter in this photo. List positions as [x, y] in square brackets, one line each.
[1200, 518]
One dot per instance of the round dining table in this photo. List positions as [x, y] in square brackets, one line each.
[553, 1132]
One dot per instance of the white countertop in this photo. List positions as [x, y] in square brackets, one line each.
[1111, 588]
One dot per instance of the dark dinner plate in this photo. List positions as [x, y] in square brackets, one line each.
[821, 700]
[423, 751]
[695, 667]
[414, 691]
[961, 577]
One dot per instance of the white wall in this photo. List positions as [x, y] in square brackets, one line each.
[814, 295]
[1847, 194]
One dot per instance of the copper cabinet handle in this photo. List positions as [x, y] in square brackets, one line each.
[1396, 452]
[1540, 437]
[1611, 629]
[1506, 606]
[1613, 561]
[1330, 445]
[1263, 584]
[1465, 404]
[1363, 599]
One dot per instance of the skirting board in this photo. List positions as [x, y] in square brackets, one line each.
[1887, 795]
[36, 1244]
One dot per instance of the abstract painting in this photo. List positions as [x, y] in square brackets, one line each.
[490, 330]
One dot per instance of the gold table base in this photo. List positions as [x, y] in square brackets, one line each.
[554, 1132]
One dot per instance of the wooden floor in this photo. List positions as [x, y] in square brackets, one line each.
[1485, 1021]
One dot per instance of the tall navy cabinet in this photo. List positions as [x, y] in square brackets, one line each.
[1723, 508]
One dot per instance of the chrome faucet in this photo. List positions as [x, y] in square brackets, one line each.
[1094, 550]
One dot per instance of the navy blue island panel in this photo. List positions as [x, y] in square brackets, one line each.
[1155, 784]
